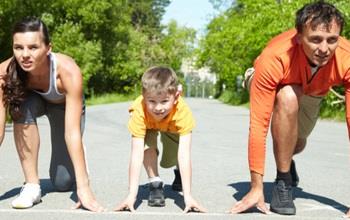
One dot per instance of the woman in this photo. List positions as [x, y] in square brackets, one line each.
[37, 82]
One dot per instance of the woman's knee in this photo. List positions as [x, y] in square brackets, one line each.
[62, 180]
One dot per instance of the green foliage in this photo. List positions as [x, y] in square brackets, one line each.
[113, 41]
[86, 53]
[237, 36]
[109, 98]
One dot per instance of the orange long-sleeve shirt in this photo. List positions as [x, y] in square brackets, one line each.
[283, 62]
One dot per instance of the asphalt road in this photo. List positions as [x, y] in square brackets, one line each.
[220, 169]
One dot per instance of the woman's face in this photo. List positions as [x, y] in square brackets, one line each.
[30, 50]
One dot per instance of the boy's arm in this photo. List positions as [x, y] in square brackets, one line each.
[136, 160]
[135, 164]
[185, 166]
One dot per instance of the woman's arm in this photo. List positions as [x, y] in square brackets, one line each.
[3, 67]
[72, 84]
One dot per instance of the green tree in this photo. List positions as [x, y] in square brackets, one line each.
[113, 41]
[237, 36]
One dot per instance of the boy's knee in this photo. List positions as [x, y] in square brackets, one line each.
[151, 152]
[62, 180]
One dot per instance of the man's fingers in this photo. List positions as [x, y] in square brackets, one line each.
[240, 207]
[263, 208]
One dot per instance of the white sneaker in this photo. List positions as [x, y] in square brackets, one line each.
[30, 195]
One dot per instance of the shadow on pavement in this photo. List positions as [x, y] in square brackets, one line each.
[46, 187]
[168, 193]
[242, 189]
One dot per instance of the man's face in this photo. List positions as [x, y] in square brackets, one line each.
[319, 45]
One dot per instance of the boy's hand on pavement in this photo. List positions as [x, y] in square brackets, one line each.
[126, 205]
[192, 205]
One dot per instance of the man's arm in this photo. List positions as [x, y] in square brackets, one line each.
[267, 76]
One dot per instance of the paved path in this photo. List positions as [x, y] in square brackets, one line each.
[220, 171]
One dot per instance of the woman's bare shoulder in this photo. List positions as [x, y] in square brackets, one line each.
[66, 63]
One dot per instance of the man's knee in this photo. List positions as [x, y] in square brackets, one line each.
[300, 145]
[62, 180]
[287, 100]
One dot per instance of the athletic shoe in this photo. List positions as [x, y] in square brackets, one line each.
[30, 195]
[294, 174]
[156, 194]
[282, 199]
[248, 78]
[177, 184]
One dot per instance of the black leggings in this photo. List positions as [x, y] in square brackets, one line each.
[61, 168]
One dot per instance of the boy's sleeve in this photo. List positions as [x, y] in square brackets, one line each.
[136, 124]
[184, 120]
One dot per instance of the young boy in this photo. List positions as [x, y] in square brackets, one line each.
[160, 109]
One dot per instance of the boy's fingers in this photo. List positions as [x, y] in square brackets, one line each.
[77, 205]
[120, 207]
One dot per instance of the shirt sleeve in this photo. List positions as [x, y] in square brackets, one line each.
[184, 119]
[268, 74]
[136, 124]
[347, 99]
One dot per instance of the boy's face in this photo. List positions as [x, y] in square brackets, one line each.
[159, 105]
[319, 45]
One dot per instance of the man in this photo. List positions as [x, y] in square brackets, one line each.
[292, 74]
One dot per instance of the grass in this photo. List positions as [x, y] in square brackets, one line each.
[109, 98]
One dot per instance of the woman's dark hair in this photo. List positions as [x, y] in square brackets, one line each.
[16, 78]
[317, 13]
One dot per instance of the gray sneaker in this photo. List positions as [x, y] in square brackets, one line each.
[156, 194]
[282, 199]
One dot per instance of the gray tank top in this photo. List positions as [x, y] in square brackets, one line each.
[52, 94]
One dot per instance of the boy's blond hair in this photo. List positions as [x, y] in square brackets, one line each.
[159, 79]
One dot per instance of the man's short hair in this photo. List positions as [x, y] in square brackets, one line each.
[159, 79]
[317, 13]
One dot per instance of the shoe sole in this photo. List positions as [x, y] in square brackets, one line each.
[27, 207]
[283, 211]
[156, 203]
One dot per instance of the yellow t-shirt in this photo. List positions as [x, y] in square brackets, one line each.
[179, 120]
